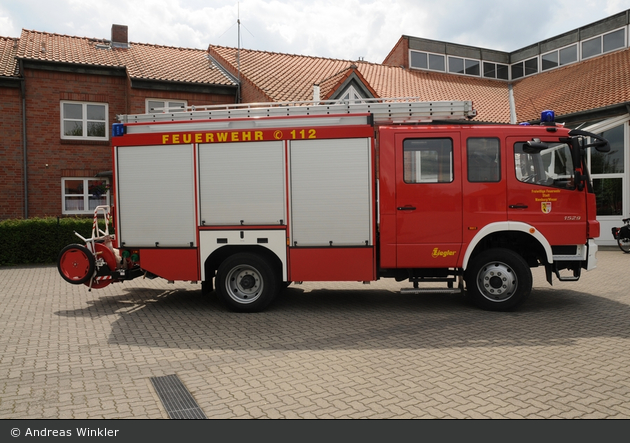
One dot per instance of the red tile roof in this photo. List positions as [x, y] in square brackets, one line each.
[591, 84]
[8, 63]
[286, 77]
[489, 97]
[330, 85]
[280, 77]
[142, 61]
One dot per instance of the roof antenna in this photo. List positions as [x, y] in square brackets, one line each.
[238, 52]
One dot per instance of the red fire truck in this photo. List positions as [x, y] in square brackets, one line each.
[249, 198]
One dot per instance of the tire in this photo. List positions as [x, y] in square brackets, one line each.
[624, 244]
[498, 280]
[75, 264]
[246, 283]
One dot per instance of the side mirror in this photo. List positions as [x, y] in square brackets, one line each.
[601, 144]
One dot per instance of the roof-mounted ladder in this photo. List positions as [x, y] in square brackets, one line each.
[383, 110]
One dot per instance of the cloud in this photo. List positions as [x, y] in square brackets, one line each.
[346, 29]
[7, 26]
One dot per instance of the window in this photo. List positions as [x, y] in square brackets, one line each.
[525, 68]
[483, 155]
[84, 121]
[466, 66]
[607, 170]
[552, 167]
[425, 60]
[560, 57]
[428, 160]
[351, 95]
[495, 70]
[604, 43]
[155, 105]
[83, 195]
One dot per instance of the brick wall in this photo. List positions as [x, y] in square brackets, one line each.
[137, 98]
[11, 176]
[49, 157]
[399, 55]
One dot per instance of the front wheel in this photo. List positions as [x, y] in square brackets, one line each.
[498, 280]
[624, 244]
[246, 283]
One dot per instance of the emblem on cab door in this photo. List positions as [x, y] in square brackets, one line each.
[545, 207]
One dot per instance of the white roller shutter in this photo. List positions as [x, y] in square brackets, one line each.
[242, 183]
[331, 192]
[156, 196]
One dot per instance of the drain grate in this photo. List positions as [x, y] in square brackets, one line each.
[176, 399]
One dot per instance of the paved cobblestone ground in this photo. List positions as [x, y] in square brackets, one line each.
[347, 351]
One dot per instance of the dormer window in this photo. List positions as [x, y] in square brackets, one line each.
[351, 96]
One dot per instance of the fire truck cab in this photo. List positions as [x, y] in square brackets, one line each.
[253, 197]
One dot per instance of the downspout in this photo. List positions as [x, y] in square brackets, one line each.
[24, 144]
[513, 118]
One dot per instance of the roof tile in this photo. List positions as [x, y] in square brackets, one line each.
[8, 62]
[591, 84]
[142, 61]
[287, 77]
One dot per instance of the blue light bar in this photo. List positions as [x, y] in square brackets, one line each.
[118, 130]
[547, 116]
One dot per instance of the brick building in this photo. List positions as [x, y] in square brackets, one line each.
[64, 92]
[11, 184]
[72, 88]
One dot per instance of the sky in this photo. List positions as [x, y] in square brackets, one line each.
[341, 29]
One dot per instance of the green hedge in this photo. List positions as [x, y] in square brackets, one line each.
[39, 240]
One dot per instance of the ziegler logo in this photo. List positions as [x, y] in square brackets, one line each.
[437, 253]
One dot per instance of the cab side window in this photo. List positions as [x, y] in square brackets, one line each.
[551, 167]
[428, 160]
[484, 160]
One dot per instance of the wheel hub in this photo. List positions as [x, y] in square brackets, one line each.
[247, 282]
[244, 284]
[497, 282]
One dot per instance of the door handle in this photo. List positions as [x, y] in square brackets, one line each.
[518, 206]
[406, 208]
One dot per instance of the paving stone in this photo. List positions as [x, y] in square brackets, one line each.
[322, 350]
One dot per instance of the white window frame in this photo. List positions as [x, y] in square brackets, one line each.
[464, 59]
[523, 63]
[496, 64]
[601, 43]
[86, 195]
[607, 125]
[351, 95]
[577, 45]
[428, 54]
[84, 121]
[167, 104]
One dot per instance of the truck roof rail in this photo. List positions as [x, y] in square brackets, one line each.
[383, 110]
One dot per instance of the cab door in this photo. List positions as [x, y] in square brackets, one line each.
[485, 182]
[428, 199]
[542, 193]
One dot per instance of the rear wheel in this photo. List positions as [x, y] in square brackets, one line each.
[246, 283]
[75, 263]
[498, 280]
[624, 244]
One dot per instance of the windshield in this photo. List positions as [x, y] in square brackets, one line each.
[552, 167]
